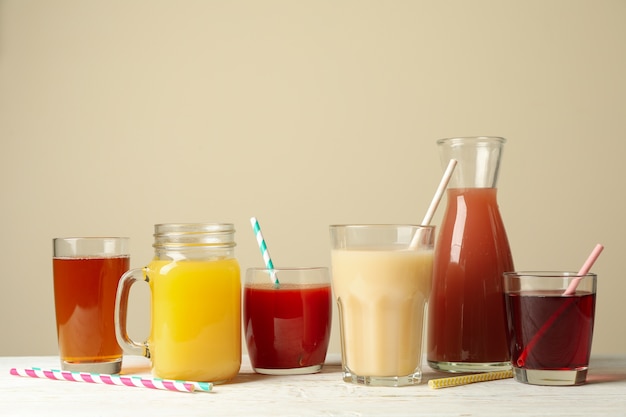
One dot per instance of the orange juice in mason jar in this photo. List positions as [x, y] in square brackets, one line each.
[196, 302]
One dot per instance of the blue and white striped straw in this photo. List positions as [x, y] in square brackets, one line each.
[263, 247]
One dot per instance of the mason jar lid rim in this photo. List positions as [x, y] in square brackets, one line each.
[190, 246]
[193, 229]
[201, 226]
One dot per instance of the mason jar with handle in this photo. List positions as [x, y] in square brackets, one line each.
[195, 285]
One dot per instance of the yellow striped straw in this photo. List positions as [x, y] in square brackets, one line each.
[469, 379]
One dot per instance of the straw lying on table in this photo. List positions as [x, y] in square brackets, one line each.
[128, 381]
[468, 379]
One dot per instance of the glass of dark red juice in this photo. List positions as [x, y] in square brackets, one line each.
[287, 323]
[550, 332]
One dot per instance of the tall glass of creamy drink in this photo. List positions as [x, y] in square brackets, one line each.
[381, 278]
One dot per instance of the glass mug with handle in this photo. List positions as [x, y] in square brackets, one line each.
[195, 285]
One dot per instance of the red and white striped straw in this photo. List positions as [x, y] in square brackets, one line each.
[128, 381]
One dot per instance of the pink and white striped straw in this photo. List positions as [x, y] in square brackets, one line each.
[108, 379]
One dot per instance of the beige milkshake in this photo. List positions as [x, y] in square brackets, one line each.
[381, 295]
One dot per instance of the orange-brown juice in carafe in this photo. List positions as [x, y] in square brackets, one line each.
[466, 300]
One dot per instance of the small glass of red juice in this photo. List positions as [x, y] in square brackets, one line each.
[549, 332]
[287, 324]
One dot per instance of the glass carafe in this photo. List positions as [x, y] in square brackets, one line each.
[467, 320]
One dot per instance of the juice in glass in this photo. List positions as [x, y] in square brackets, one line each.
[467, 318]
[563, 345]
[84, 292]
[196, 320]
[287, 328]
[381, 295]
[550, 332]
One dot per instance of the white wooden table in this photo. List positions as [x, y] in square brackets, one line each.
[323, 394]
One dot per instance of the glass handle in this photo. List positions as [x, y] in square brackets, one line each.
[121, 309]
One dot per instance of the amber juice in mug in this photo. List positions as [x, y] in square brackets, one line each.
[86, 273]
[84, 307]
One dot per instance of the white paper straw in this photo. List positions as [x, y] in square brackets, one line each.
[445, 179]
[439, 193]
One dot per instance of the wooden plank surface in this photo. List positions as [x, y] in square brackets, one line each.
[323, 394]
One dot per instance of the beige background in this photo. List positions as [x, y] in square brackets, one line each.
[115, 115]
